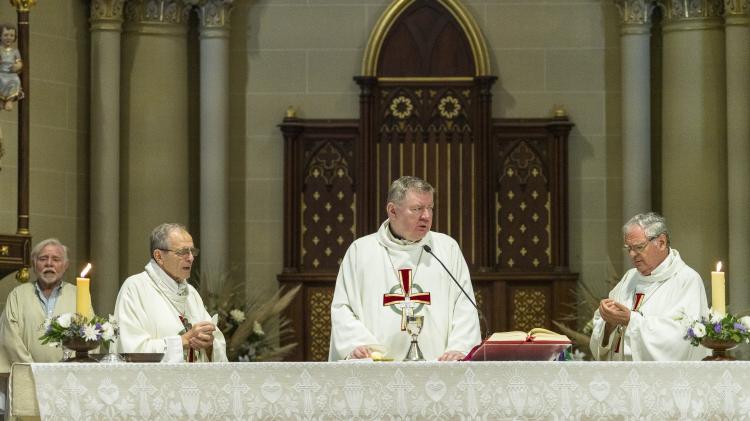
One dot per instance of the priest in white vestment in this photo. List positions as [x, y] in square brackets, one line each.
[642, 318]
[30, 304]
[158, 303]
[388, 274]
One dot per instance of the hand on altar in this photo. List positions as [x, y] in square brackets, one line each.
[613, 312]
[200, 336]
[452, 356]
[362, 351]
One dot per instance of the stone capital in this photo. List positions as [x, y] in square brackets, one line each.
[677, 11]
[738, 8]
[635, 12]
[107, 14]
[214, 14]
[174, 12]
[23, 5]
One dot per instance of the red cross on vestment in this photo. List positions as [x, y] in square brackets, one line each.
[407, 298]
[636, 305]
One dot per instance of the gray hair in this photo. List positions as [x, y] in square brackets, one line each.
[161, 233]
[48, 242]
[652, 223]
[398, 189]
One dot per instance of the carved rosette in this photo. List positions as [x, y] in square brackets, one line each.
[691, 10]
[635, 12]
[107, 14]
[214, 14]
[175, 12]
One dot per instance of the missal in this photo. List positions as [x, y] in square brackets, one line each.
[538, 344]
[536, 335]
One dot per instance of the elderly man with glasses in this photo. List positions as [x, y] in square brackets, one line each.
[640, 320]
[158, 303]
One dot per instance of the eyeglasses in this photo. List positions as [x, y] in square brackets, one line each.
[183, 252]
[638, 248]
[419, 210]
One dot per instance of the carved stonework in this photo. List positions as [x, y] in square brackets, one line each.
[635, 12]
[320, 323]
[107, 10]
[23, 5]
[737, 7]
[687, 10]
[157, 11]
[107, 15]
[215, 13]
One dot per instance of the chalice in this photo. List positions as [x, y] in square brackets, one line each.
[414, 325]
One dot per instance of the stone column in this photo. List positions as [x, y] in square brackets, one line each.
[635, 33]
[155, 133]
[694, 162]
[214, 138]
[737, 29]
[106, 31]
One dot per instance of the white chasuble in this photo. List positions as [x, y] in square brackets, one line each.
[660, 302]
[372, 297]
[149, 307]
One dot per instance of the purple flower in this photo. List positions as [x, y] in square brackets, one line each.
[690, 333]
[740, 327]
[717, 327]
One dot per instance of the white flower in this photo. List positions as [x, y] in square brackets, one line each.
[237, 315]
[699, 330]
[108, 331]
[716, 317]
[745, 320]
[111, 319]
[258, 329]
[90, 333]
[578, 355]
[64, 320]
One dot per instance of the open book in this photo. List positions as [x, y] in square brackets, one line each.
[535, 345]
[536, 335]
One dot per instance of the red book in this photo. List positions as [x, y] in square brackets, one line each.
[538, 344]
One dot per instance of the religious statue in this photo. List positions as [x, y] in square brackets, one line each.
[10, 65]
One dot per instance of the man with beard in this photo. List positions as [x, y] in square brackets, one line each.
[30, 304]
[158, 303]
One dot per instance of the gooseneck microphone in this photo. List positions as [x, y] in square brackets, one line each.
[428, 249]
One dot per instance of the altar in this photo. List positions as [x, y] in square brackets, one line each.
[383, 390]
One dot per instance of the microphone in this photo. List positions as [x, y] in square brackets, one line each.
[428, 249]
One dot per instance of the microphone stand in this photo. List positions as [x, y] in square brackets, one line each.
[428, 249]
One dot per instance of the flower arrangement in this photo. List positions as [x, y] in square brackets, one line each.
[73, 326]
[719, 327]
[254, 326]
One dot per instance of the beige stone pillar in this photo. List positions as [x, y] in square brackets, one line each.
[155, 166]
[694, 154]
[214, 138]
[737, 27]
[635, 33]
[106, 31]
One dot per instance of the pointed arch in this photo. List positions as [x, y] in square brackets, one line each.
[391, 15]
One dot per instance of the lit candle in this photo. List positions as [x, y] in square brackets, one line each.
[717, 290]
[83, 295]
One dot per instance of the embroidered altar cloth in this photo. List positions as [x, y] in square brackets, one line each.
[370, 390]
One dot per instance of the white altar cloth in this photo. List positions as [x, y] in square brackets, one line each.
[346, 390]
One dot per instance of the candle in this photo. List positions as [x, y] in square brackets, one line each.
[717, 290]
[83, 295]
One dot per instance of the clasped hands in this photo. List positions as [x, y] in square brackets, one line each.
[614, 313]
[364, 351]
[200, 336]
